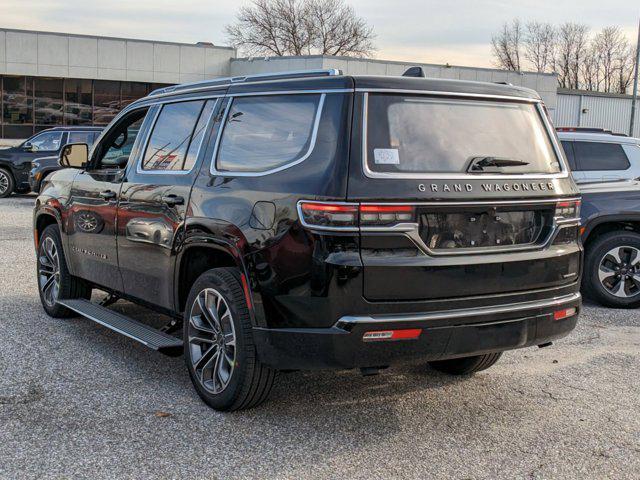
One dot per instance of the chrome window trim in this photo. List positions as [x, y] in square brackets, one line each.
[347, 321]
[312, 142]
[147, 137]
[564, 171]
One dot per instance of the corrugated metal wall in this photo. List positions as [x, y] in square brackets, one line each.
[613, 112]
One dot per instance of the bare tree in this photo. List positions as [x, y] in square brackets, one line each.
[540, 45]
[591, 71]
[301, 27]
[573, 40]
[506, 46]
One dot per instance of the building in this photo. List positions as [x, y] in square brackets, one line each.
[49, 79]
[577, 108]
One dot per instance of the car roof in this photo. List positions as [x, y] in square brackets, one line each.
[73, 129]
[598, 137]
[334, 79]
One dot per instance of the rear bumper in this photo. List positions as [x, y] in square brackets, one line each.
[445, 334]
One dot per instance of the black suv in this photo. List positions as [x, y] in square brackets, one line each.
[15, 162]
[317, 220]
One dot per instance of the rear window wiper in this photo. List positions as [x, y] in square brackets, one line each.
[492, 164]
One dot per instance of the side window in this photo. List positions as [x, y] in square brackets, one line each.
[81, 137]
[46, 142]
[600, 156]
[266, 132]
[171, 136]
[568, 151]
[115, 148]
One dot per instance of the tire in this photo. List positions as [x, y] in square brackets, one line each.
[236, 379]
[54, 279]
[7, 184]
[606, 291]
[466, 365]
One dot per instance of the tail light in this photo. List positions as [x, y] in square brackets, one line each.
[568, 210]
[350, 216]
[384, 215]
[565, 313]
[329, 215]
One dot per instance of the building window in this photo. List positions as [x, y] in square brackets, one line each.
[49, 101]
[78, 102]
[17, 106]
[31, 104]
[106, 98]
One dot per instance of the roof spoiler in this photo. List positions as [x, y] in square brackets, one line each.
[414, 72]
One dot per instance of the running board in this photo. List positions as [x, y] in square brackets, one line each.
[149, 336]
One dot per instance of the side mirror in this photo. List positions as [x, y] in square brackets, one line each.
[28, 147]
[74, 155]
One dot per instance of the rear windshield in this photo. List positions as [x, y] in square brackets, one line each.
[413, 134]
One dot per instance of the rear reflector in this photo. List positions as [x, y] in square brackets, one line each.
[565, 313]
[379, 335]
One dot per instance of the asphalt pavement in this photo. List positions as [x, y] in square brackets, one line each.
[79, 401]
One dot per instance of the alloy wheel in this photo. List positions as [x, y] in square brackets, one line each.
[4, 182]
[49, 271]
[619, 271]
[212, 340]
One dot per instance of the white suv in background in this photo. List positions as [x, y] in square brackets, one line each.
[597, 155]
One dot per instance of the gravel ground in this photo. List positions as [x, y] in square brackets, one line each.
[77, 400]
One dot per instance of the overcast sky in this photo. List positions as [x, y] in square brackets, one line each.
[455, 31]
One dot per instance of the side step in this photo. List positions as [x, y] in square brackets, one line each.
[149, 336]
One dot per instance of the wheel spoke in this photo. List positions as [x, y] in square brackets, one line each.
[205, 359]
[605, 273]
[230, 339]
[619, 289]
[197, 323]
[206, 312]
[199, 340]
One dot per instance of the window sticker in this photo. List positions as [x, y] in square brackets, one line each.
[386, 156]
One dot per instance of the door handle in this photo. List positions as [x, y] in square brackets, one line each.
[173, 200]
[107, 195]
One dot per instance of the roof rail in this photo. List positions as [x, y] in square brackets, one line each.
[584, 130]
[260, 77]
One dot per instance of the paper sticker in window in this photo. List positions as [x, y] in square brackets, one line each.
[386, 156]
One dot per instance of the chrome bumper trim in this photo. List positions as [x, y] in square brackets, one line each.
[460, 313]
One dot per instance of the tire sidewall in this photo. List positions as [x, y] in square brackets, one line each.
[598, 250]
[240, 316]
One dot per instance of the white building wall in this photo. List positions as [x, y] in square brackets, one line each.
[588, 109]
[544, 84]
[81, 56]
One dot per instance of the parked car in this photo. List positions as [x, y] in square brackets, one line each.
[15, 162]
[611, 236]
[598, 155]
[318, 220]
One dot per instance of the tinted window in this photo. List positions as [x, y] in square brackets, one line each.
[600, 156]
[417, 134]
[48, 141]
[171, 134]
[118, 143]
[267, 132]
[81, 137]
[568, 151]
[198, 135]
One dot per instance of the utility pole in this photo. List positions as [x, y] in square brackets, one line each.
[635, 86]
